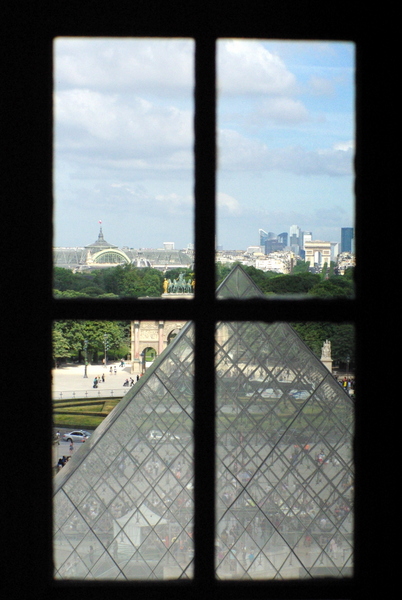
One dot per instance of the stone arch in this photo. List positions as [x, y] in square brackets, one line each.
[153, 334]
[148, 354]
[317, 250]
[171, 330]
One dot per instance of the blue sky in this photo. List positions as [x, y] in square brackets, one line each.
[124, 137]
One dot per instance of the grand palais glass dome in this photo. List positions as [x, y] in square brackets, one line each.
[123, 504]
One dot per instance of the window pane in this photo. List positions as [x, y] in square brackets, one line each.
[284, 464]
[123, 499]
[285, 199]
[123, 156]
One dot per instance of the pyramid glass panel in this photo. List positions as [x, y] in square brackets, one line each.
[123, 504]
[284, 466]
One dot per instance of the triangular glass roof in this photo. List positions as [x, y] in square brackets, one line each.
[123, 504]
[238, 285]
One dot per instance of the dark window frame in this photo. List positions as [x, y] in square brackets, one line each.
[28, 174]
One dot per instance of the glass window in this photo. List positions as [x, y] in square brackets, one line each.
[123, 162]
[285, 178]
[123, 505]
[123, 499]
[29, 209]
[284, 463]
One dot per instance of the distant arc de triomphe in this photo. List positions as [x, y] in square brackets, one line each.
[150, 334]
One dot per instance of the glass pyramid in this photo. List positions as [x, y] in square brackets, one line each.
[123, 506]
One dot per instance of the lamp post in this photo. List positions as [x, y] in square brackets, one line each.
[106, 343]
[85, 358]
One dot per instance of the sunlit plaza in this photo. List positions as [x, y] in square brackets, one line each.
[123, 504]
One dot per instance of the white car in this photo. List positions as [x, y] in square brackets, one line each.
[300, 394]
[76, 436]
[157, 436]
[265, 393]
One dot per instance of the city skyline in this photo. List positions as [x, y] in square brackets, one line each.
[123, 140]
[171, 244]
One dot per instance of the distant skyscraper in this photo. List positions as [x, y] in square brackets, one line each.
[294, 235]
[307, 237]
[347, 239]
[273, 246]
[263, 237]
[295, 241]
[283, 238]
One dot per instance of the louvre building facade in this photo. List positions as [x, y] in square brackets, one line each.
[123, 504]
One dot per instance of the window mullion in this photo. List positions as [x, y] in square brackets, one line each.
[204, 410]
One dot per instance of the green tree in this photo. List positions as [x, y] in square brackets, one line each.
[64, 280]
[301, 266]
[109, 279]
[334, 287]
[292, 284]
[152, 283]
[75, 332]
[61, 347]
[343, 343]
[92, 291]
[69, 294]
[341, 336]
[222, 271]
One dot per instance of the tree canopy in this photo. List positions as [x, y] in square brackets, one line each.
[69, 337]
[120, 281]
[129, 281]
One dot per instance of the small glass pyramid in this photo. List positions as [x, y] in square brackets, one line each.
[123, 506]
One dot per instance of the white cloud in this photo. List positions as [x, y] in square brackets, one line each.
[282, 110]
[246, 67]
[228, 204]
[239, 153]
[125, 64]
[87, 111]
[124, 136]
[325, 161]
[105, 126]
[345, 146]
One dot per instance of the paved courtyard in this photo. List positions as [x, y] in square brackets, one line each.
[69, 381]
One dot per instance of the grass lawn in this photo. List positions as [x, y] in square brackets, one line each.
[82, 414]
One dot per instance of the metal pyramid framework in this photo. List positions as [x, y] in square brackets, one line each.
[123, 505]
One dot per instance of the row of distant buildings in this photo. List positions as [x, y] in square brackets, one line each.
[278, 253]
[101, 254]
[300, 242]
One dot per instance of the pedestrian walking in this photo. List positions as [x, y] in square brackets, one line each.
[71, 447]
